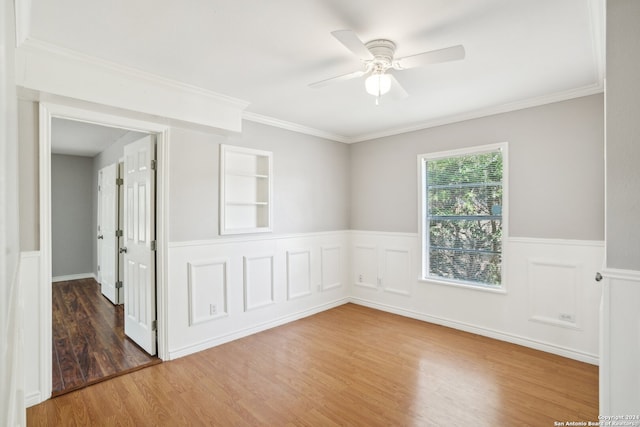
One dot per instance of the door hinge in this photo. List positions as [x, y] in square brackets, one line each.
[118, 284]
[119, 181]
[119, 233]
[154, 325]
[98, 268]
[153, 165]
[153, 245]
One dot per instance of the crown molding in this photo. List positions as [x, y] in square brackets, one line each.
[22, 10]
[53, 70]
[484, 112]
[597, 14]
[470, 115]
[236, 106]
[37, 45]
[295, 127]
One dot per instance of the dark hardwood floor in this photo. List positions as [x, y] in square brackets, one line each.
[89, 344]
[351, 365]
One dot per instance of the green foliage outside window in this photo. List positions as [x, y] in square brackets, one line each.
[464, 217]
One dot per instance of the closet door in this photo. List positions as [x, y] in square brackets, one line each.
[108, 195]
[139, 243]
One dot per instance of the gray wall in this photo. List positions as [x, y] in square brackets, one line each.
[623, 135]
[310, 183]
[72, 232]
[556, 174]
[556, 170]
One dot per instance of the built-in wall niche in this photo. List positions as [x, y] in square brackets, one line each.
[245, 190]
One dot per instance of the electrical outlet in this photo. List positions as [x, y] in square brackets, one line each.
[360, 278]
[213, 310]
[566, 317]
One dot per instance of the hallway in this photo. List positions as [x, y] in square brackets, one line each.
[89, 344]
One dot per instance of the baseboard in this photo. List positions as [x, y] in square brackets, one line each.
[32, 399]
[490, 333]
[213, 342]
[73, 277]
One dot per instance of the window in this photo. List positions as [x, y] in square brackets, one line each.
[463, 199]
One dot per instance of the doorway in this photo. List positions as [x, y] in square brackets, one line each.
[49, 112]
[91, 340]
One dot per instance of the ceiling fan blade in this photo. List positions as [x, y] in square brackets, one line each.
[452, 53]
[396, 92]
[337, 79]
[351, 41]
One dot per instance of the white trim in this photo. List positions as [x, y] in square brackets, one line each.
[481, 288]
[620, 274]
[290, 253]
[597, 15]
[47, 111]
[502, 147]
[23, 20]
[562, 242]
[588, 90]
[55, 70]
[222, 339]
[246, 281]
[384, 233]
[294, 127]
[486, 332]
[191, 289]
[40, 45]
[577, 297]
[592, 89]
[257, 238]
[73, 277]
[45, 357]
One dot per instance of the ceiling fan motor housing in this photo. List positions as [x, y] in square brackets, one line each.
[382, 51]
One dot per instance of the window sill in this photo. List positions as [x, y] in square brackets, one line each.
[481, 288]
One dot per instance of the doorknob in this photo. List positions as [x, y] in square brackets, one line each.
[123, 250]
[598, 277]
[100, 236]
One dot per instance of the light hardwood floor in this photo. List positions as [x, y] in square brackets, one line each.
[347, 366]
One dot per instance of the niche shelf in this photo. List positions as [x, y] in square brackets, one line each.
[245, 190]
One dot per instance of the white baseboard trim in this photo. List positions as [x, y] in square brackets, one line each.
[32, 399]
[213, 342]
[491, 333]
[73, 277]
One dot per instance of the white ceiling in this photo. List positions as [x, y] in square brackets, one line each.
[85, 139]
[518, 52]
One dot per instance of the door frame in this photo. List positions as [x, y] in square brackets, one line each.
[48, 111]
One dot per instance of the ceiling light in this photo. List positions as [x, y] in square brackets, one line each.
[378, 83]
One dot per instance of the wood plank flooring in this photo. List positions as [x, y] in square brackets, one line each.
[347, 366]
[89, 344]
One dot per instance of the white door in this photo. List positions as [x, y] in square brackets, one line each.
[108, 202]
[139, 236]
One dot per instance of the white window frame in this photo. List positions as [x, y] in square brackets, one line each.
[422, 210]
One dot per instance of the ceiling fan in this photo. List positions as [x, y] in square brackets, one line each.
[377, 57]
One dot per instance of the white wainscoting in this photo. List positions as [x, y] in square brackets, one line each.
[29, 282]
[298, 273]
[620, 343]
[207, 290]
[551, 301]
[258, 282]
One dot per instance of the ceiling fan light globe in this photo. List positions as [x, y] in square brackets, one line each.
[377, 84]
